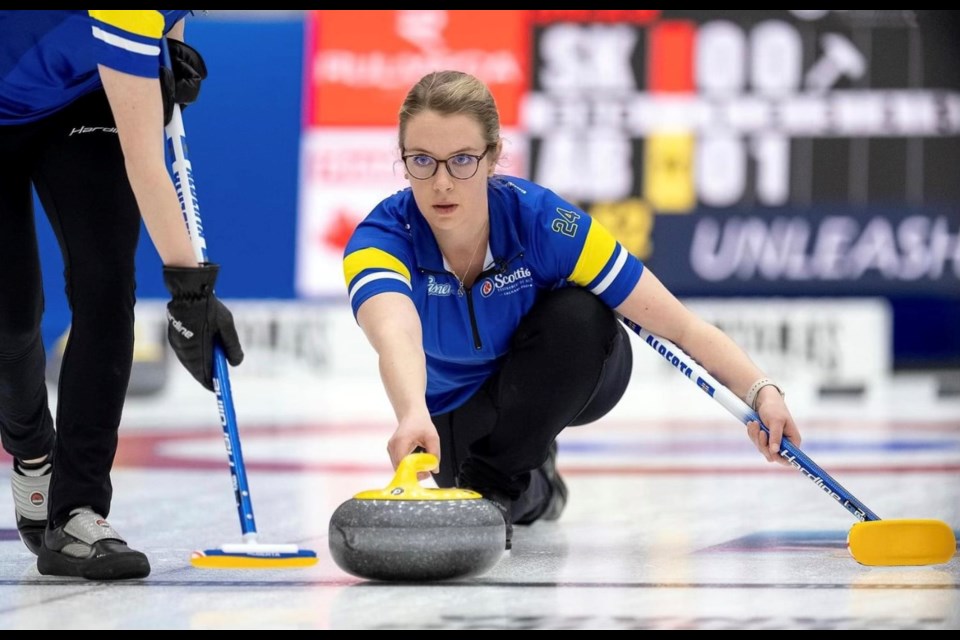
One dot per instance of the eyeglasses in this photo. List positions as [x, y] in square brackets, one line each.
[462, 166]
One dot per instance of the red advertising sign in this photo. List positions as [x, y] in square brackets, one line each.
[362, 63]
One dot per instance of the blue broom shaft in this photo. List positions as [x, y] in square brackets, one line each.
[228, 420]
[692, 370]
[190, 206]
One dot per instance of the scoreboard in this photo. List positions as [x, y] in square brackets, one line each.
[764, 152]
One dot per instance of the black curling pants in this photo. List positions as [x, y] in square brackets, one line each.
[74, 161]
[569, 363]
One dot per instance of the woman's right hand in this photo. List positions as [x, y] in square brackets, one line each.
[412, 433]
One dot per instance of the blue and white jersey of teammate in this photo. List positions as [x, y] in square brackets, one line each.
[48, 59]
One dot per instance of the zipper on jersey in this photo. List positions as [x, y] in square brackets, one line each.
[497, 268]
[477, 344]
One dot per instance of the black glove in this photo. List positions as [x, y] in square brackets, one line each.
[181, 84]
[195, 318]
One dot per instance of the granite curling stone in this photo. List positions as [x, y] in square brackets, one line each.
[410, 533]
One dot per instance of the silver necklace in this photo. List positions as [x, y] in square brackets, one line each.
[460, 290]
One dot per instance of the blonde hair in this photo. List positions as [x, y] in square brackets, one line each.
[449, 93]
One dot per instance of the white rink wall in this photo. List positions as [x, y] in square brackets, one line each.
[305, 359]
[812, 342]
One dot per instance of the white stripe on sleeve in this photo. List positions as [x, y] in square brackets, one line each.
[124, 43]
[379, 275]
[604, 284]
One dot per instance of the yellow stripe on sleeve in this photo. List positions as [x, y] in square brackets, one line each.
[597, 250]
[371, 258]
[148, 24]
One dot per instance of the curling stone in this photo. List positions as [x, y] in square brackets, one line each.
[412, 533]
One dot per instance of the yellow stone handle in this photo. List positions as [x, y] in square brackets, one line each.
[410, 466]
[406, 486]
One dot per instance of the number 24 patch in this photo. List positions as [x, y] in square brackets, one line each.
[566, 223]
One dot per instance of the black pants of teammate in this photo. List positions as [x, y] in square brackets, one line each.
[74, 161]
[569, 364]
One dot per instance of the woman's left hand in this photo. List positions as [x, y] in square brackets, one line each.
[773, 411]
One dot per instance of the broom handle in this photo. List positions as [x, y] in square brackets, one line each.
[187, 193]
[696, 374]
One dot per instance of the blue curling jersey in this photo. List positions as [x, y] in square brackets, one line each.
[538, 242]
[48, 59]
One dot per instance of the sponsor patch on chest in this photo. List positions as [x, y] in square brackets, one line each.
[507, 283]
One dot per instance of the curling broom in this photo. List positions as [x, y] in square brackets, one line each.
[248, 554]
[871, 541]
